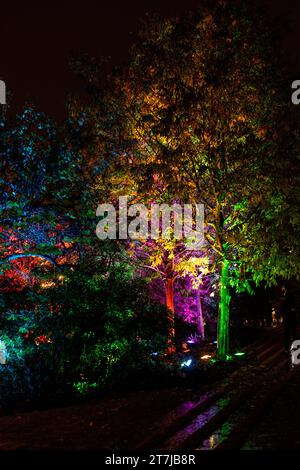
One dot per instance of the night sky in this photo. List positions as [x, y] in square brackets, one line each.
[36, 40]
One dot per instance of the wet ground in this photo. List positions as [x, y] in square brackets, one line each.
[123, 421]
[280, 428]
[109, 423]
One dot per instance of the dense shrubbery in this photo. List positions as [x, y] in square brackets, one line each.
[90, 333]
[35, 352]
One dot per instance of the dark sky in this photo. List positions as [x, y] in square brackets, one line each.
[36, 39]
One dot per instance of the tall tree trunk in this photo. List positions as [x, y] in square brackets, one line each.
[200, 314]
[170, 303]
[224, 310]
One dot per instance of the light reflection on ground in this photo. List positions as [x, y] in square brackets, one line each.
[199, 422]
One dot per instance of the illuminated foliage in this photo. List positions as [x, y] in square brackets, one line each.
[198, 115]
[40, 192]
[59, 342]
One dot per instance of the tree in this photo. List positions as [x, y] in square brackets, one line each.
[168, 260]
[100, 141]
[41, 198]
[200, 108]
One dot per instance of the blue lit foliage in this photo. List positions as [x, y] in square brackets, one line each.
[43, 195]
